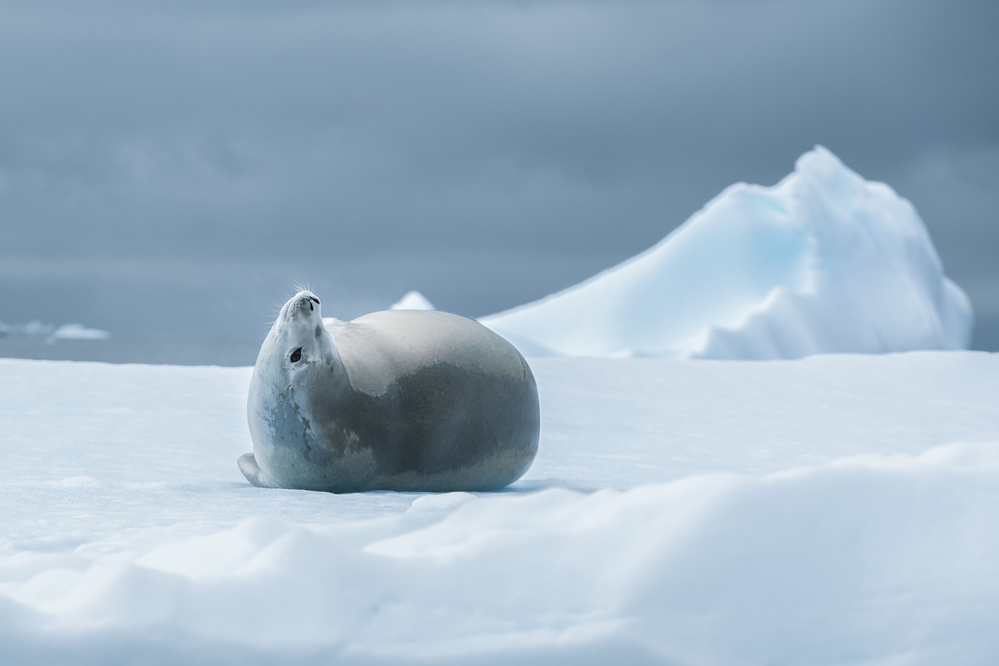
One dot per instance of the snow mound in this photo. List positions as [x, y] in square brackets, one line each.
[413, 300]
[822, 262]
[857, 560]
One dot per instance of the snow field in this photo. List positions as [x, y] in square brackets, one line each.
[838, 509]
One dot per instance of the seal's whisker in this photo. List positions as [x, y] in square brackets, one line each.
[302, 286]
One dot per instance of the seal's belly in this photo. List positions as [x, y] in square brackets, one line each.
[440, 427]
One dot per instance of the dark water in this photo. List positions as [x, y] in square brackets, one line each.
[222, 321]
[174, 351]
[133, 350]
[986, 334]
[178, 315]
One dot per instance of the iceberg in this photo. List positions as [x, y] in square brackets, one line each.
[413, 300]
[35, 328]
[822, 262]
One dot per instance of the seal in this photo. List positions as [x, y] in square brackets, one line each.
[410, 400]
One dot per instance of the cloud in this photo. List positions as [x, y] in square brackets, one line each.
[523, 145]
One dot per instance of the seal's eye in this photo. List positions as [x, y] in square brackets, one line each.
[296, 355]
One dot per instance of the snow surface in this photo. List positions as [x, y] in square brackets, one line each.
[822, 262]
[413, 300]
[835, 510]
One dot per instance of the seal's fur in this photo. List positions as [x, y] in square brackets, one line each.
[395, 400]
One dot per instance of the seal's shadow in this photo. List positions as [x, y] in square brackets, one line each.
[523, 487]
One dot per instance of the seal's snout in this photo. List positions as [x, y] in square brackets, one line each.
[304, 302]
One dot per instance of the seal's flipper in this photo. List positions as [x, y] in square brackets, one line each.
[248, 466]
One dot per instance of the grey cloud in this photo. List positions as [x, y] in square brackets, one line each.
[487, 152]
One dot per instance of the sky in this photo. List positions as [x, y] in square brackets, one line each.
[175, 169]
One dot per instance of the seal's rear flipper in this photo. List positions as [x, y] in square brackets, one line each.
[248, 466]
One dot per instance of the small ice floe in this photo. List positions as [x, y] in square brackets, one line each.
[51, 332]
[413, 300]
[33, 327]
[77, 332]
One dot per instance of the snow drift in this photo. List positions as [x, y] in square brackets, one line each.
[834, 510]
[822, 262]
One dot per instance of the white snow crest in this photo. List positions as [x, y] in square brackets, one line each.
[822, 262]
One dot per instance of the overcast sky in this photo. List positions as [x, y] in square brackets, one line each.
[178, 165]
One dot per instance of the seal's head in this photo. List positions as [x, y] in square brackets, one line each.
[298, 340]
[298, 370]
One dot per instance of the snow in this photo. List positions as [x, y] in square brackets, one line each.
[822, 262]
[413, 300]
[837, 509]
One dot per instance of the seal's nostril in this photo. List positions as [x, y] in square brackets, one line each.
[311, 308]
[313, 298]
